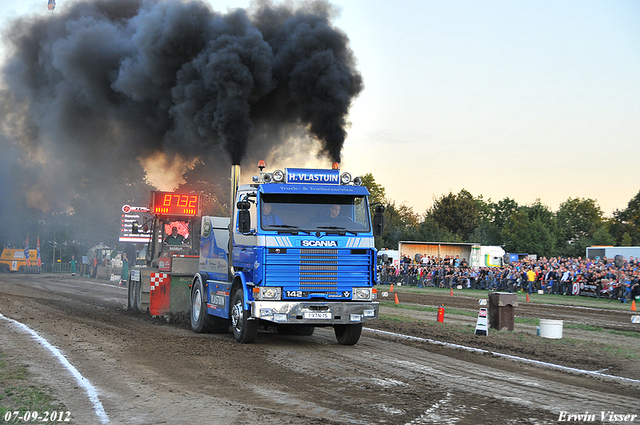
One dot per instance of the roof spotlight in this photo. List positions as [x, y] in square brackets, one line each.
[345, 178]
[278, 176]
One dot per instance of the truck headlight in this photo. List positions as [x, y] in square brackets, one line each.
[362, 293]
[266, 312]
[267, 293]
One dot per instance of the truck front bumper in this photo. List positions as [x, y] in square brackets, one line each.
[314, 312]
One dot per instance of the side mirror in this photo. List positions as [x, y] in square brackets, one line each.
[244, 216]
[378, 221]
[244, 221]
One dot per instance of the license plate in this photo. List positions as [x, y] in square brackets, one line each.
[315, 315]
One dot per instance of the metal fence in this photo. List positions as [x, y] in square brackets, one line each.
[61, 268]
[81, 269]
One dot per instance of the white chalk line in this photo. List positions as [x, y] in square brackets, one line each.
[82, 381]
[508, 356]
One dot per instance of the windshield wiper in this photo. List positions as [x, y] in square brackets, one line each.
[341, 230]
[290, 229]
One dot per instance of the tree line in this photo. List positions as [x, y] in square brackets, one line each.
[461, 217]
[534, 229]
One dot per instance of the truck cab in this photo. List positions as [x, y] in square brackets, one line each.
[302, 256]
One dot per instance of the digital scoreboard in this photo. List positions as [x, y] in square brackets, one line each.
[175, 204]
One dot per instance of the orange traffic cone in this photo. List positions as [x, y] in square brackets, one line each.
[451, 293]
[633, 305]
[527, 297]
[397, 302]
[391, 289]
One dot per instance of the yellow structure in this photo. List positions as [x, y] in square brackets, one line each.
[14, 260]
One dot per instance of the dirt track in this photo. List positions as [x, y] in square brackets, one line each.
[148, 371]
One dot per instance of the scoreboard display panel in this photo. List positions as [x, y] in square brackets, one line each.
[175, 204]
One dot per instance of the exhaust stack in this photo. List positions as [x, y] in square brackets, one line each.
[235, 181]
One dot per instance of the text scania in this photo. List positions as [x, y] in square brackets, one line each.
[330, 244]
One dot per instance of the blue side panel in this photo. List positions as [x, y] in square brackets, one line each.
[258, 267]
[214, 241]
[219, 295]
[244, 256]
[373, 260]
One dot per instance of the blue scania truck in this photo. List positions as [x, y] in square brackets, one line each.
[296, 253]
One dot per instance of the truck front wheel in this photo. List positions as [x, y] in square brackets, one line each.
[244, 330]
[348, 334]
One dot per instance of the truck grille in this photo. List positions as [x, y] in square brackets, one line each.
[318, 270]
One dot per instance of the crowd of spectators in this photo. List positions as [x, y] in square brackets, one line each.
[603, 278]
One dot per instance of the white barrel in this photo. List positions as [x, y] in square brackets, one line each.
[551, 328]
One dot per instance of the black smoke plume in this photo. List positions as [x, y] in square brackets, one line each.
[94, 88]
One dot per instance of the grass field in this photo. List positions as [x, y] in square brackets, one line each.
[18, 398]
[522, 296]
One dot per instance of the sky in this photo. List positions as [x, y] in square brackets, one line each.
[520, 100]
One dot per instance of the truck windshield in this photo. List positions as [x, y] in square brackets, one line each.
[311, 213]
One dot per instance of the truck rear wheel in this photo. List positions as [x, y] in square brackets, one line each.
[348, 334]
[134, 290]
[200, 320]
[244, 330]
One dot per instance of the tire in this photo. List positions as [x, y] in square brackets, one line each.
[22, 269]
[244, 330]
[4, 268]
[348, 334]
[133, 304]
[202, 322]
[298, 330]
